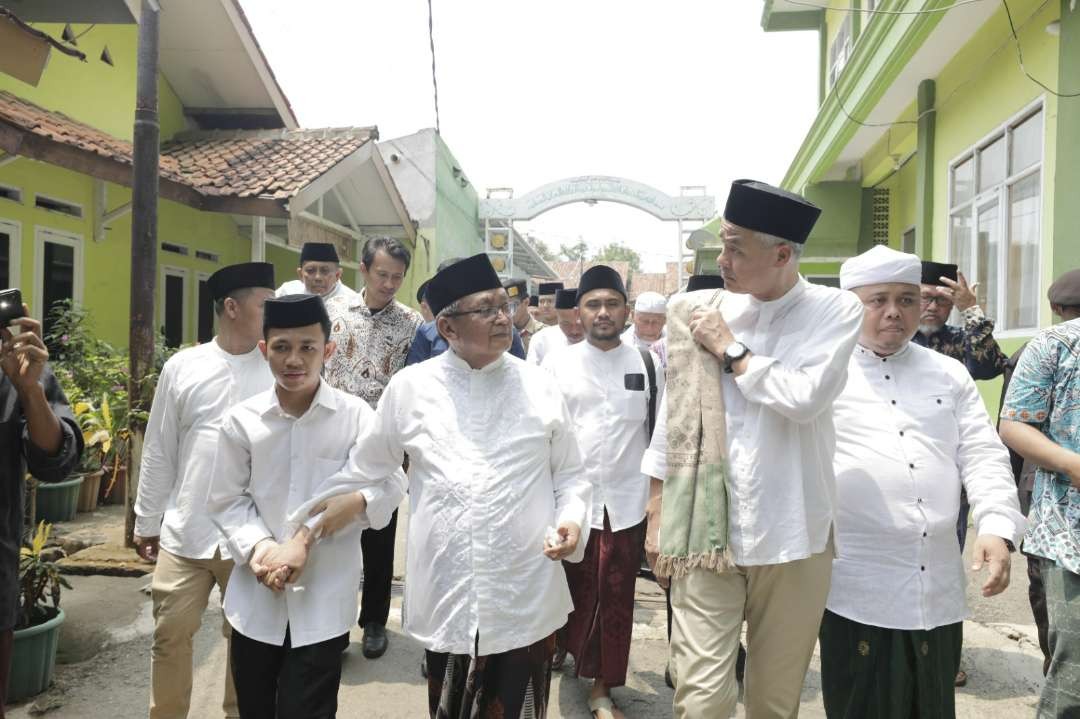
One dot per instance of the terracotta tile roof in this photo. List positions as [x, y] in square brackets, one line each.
[262, 163]
[60, 128]
[244, 164]
[648, 282]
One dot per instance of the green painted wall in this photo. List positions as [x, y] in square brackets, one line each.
[106, 265]
[983, 87]
[837, 231]
[1066, 217]
[93, 92]
[902, 212]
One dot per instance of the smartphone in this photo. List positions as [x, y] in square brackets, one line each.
[11, 306]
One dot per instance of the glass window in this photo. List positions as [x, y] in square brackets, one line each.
[206, 313]
[962, 251]
[963, 186]
[989, 244]
[1022, 279]
[5, 260]
[992, 164]
[58, 282]
[1026, 148]
[174, 311]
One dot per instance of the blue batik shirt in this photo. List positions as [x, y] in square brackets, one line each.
[1045, 392]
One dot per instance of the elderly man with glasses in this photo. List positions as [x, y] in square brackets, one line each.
[972, 343]
[497, 496]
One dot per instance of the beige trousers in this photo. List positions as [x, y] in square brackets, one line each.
[180, 591]
[782, 605]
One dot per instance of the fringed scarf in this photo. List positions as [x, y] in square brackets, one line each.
[694, 514]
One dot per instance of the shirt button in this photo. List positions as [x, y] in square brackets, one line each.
[924, 534]
[901, 433]
[922, 569]
[912, 466]
[886, 376]
[894, 401]
[919, 500]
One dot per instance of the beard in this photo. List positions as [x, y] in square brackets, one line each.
[605, 334]
[929, 329]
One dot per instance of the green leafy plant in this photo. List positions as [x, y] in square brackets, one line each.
[39, 579]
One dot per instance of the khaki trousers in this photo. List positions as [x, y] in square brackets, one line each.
[180, 591]
[782, 605]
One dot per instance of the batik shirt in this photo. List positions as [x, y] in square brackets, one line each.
[973, 344]
[1044, 392]
[371, 346]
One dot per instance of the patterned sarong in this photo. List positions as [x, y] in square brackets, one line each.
[693, 520]
[510, 685]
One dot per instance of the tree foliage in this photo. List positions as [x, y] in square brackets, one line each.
[615, 252]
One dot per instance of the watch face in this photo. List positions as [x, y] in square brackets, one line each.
[735, 350]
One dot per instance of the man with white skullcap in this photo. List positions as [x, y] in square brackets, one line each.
[650, 314]
[911, 430]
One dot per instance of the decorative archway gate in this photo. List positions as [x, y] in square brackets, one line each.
[691, 208]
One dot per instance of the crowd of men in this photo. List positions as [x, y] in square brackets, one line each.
[798, 458]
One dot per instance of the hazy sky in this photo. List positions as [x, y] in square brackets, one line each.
[680, 92]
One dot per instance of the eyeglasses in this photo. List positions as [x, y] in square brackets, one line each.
[936, 299]
[488, 313]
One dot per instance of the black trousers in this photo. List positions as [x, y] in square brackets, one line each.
[284, 682]
[377, 546]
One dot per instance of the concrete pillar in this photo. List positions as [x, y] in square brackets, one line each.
[924, 171]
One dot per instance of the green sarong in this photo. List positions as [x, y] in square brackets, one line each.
[871, 672]
[693, 519]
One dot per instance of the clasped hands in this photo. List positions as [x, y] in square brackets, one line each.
[278, 564]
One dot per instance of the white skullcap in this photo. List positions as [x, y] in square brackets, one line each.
[878, 266]
[651, 302]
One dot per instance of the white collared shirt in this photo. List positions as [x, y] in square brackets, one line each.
[911, 428]
[198, 385]
[296, 287]
[544, 342]
[780, 436]
[492, 464]
[611, 423]
[269, 471]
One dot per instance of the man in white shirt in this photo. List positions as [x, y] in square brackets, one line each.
[545, 311]
[197, 387]
[497, 496]
[765, 554]
[911, 430]
[292, 519]
[650, 314]
[568, 331]
[319, 274]
[611, 394]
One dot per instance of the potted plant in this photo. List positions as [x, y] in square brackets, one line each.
[104, 442]
[37, 631]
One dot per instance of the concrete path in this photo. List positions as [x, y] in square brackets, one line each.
[106, 650]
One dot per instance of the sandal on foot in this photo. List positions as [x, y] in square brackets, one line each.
[601, 708]
[961, 678]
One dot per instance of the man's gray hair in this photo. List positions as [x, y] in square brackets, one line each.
[774, 241]
[451, 309]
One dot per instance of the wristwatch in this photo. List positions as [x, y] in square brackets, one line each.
[734, 352]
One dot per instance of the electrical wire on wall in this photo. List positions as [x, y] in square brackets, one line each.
[1013, 38]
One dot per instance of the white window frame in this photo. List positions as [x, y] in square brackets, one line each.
[14, 230]
[1000, 194]
[60, 201]
[840, 50]
[59, 237]
[185, 301]
[199, 277]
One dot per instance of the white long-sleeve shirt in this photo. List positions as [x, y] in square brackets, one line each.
[545, 342]
[780, 436]
[197, 387]
[911, 429]
[611, 423]
[269, 471]
[492, 463]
